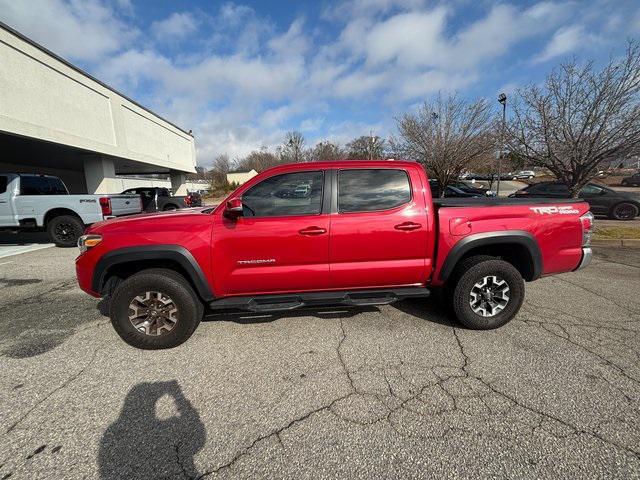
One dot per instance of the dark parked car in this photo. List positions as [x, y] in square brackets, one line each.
[602, 200]
[155, 199]
[456, 190]
[459, 189]
[633, 180]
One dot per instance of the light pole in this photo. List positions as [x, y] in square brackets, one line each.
[502, 98]
[372, 144]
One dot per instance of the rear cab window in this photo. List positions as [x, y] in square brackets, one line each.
[371, 190]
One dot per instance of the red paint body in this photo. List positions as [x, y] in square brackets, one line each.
[404, 246]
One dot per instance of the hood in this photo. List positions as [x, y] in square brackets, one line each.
[145, 218]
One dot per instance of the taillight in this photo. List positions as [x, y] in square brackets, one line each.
[587, 228]
[105, 205]
[187, 200]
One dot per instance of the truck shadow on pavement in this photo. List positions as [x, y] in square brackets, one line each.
[157, 435]
[23, 238]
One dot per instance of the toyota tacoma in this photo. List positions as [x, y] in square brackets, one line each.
[310, 234]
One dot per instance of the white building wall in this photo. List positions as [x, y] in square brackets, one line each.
[123, 183]
[45, 98]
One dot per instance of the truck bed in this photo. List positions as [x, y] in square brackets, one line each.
[499, 201]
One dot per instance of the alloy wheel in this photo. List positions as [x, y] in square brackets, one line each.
[153, 313]
[489, 296]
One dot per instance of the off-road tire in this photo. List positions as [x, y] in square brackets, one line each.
[169, 282]
[474, 269]
[65, 223]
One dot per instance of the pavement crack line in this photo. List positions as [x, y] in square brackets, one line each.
[277, 433]
[567, 337]
[60, 387]
[576, 429]
[597, 294]
[540, 412]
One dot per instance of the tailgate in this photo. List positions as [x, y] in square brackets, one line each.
[125, 204]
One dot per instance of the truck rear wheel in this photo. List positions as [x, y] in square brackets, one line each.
[489, 292]
[64, 230]
[155, 309]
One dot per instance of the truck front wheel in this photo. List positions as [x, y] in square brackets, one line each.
[488, 293]
[64, 230]
[155, 309]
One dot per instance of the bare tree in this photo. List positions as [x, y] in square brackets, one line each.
[218, 174]
[580, 118]
[293, 149]
[221, 164]
[446, 136]
[367, 147]
[327, 151]
[259, 160]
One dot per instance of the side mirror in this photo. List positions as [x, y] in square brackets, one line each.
[233, 208]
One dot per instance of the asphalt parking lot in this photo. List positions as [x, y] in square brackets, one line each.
[395, 391]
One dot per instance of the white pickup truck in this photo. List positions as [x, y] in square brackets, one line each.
[42, 202]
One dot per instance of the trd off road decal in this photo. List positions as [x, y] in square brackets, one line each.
[562, 210]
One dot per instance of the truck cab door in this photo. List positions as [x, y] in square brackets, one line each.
[280, 242]
[380, 230]
[6, 207]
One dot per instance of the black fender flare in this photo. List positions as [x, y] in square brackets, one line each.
[465, 245]
[176, 253]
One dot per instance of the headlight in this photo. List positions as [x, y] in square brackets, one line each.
[85, 242]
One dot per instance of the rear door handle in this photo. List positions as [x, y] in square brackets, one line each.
[407, 226]
[312, 231]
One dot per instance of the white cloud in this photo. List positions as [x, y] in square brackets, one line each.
[311, 124]
[245, 79]
[410, 39]
[176, 26]
[565, 40]
[81, 30]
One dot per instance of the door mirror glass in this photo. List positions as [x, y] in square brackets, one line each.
[233, 208]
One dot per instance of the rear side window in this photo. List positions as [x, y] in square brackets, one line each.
[371, 190]
[36, 185]
[591, 190]
[558, 188]
[289, 194]
[3, 184]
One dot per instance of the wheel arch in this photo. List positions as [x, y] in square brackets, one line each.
[517, 247]
[57, 212]
[124, 262]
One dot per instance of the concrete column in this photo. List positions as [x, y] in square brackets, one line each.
[179, 183]
[100, 175]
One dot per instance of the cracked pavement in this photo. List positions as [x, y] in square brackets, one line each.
[395, 391]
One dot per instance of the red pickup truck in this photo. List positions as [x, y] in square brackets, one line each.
[308, 234]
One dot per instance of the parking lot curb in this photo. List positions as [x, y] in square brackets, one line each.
[616, 242]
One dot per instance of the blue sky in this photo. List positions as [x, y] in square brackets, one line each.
[241, 74]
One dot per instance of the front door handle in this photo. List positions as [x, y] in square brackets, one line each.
[407, 226]
[312, 231]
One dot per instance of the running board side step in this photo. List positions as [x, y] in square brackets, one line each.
[274, 303]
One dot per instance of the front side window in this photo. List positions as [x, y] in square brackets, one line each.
[289, 194]
[371, 190]
[3, 184]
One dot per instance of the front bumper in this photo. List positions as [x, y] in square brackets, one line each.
[587, 255]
